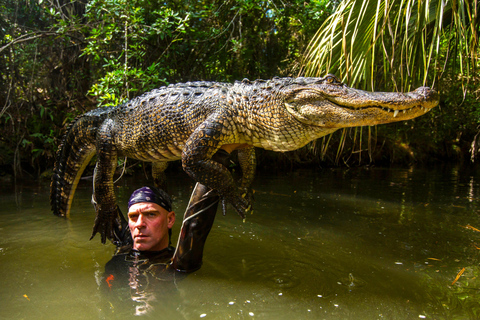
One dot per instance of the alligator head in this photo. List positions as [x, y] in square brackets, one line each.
[328, 103]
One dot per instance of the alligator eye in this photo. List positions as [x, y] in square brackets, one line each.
[332, 79]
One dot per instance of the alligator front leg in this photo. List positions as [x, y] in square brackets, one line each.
[103, 197]
[248, 164]
[196, 161]
[158, 173]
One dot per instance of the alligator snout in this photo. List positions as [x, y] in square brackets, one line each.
[428, 93]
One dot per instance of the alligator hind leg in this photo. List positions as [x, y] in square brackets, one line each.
[103, 198]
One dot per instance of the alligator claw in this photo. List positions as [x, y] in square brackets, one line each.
[106, 224]
[242, 206]
[105, 230]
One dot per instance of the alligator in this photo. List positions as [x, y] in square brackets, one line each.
[191, 121]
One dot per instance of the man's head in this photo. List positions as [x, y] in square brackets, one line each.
[150, 217]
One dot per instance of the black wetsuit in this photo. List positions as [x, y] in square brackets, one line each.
[139, 282]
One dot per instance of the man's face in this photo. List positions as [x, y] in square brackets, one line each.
[149, 224]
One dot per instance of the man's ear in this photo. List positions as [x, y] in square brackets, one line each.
[171, 219]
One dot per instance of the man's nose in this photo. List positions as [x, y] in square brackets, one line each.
[140, 221]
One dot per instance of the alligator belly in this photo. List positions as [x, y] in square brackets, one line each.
[165, 153]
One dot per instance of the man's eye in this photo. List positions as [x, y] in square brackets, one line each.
[152, 214]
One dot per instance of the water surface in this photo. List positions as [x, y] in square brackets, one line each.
[365, 243]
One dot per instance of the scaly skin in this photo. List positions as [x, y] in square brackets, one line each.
[191, 121]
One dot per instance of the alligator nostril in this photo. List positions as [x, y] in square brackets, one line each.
[425, 91]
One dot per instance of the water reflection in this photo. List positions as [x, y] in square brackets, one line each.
[332, 244]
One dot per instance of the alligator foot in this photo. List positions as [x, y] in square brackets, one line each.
[106, 224]
[241, 203]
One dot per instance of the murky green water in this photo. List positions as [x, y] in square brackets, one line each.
[330, 244]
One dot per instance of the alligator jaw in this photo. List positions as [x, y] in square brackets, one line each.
[368, 108]
[369, 115]
[346, 107]
[395, 112]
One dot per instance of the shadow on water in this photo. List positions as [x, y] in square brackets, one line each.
[331, 244]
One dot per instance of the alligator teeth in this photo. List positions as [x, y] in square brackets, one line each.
[395, 113]
[404, 111]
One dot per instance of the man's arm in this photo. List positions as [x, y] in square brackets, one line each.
[197, 223]
[123, 237]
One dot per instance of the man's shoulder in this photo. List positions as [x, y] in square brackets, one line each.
[164, 256]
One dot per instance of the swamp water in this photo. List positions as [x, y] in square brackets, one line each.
[326, 244]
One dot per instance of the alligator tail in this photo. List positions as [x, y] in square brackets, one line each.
[74, 154]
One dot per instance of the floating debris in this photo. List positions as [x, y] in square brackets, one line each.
[434, 259]
[458, 276]
[471, 228]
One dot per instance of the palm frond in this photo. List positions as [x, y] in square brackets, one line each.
[395, 44]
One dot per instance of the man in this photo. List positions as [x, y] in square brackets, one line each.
[151, 218]
[145, 267]
[144, 248]
[145, 272]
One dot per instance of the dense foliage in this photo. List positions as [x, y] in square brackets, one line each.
[61, 58]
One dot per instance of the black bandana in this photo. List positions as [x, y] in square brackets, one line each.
[151, 194]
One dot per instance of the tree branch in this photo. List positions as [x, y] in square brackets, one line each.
[28, 37]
